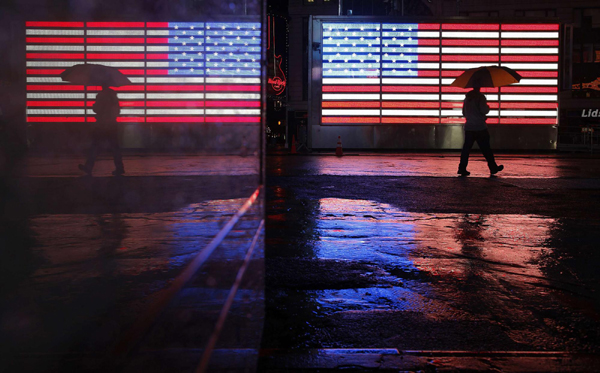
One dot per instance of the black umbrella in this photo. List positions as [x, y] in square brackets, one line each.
[95, 75]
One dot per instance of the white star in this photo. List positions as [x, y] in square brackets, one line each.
[216, 54]
[216, 43]
[246, 44]
[238, 38]
[207, 70]
[191, 38]
[222, 60]
[393, 29]
[184, 64]
[191, 48]
[253, 60]
[208, 38]
[247, 32]
[237, 69]
[184, 32]
[184, 43]
[208, 27]
[230, 32]
[238, 60]
[223, 37]
[191, 27]
[177, 59]
[222, 27]
[253, 27]
[184, 53]
[176, 69]
[394, 39]
[199, 43]
[338, 44]
[346, 38]
[245, 65]
[199, 64]
[223, 69]
[176, 27]
[191, 60]
[354, 44]
[208, 60]
[192, 69]
[176, 37]
[176, 48]
[410, 29]
[238, 27]
[199, 54]
[231, 53]
[200, 33]
[230, 65]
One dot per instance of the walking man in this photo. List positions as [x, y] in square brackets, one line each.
[475, 108]
[105, 130]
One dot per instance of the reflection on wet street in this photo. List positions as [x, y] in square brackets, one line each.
[362, 273]
[97, 272]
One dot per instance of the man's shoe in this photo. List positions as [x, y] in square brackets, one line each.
[118, 172]
[463, 173]
[85, 169]
[496, 169]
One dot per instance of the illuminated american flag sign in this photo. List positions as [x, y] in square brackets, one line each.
[400, 73]
[182, 72]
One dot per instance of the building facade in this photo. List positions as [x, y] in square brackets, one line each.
[577, 70]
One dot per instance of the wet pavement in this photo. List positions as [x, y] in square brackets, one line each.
[392, 262]
[373, 262]
[94, 269]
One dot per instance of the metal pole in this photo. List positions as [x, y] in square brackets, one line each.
[340, 7]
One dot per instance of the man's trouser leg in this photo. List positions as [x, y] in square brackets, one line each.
[466, 150]
[483, 141]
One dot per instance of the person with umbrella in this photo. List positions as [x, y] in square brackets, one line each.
[106, 107]
[475, 109]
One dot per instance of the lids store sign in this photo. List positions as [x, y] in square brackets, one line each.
[590, 113]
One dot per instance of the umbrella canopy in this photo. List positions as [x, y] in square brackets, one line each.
[487, 76]
[92, 74]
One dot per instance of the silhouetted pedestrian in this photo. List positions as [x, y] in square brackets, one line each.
[475, 108]
[105, 131]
